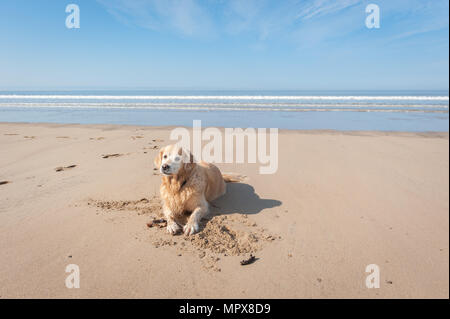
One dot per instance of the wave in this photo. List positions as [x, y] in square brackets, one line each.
[217, 105]
[310, 108]
[226, 97]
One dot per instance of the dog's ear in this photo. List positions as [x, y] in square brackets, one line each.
[188, 159]
[158, 158]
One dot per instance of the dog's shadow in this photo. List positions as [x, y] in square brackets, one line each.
[241, 198]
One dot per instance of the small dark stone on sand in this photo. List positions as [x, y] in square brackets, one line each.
[248, 261]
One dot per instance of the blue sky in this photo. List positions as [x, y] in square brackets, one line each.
[219, 44]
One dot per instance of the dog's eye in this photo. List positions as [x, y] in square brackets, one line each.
[165, 156]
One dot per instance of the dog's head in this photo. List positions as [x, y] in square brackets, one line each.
[173, 160]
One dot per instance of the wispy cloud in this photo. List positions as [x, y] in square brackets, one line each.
[186, 17]
[319, 8]
[417, 17]
[312, 21]
[194, 17]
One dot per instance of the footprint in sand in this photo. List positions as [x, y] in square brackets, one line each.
[30, 137]
[4, 182]
[10, 134]
[97, 138]
[63, 137]
[59, 169]
[155, 147]
[111, 155]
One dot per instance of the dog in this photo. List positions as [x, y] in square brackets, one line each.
[187, 188]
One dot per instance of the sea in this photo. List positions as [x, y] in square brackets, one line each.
[406, 111]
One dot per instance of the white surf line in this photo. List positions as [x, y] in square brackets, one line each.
[271, 109]
[219, 105]
[226, 97]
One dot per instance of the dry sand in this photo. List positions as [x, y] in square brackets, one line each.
[79, 194]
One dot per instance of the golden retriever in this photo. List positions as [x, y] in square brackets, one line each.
[187, 188]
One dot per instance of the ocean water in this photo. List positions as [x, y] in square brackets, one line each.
[411, 111]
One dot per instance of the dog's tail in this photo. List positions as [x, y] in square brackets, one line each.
[233, 178]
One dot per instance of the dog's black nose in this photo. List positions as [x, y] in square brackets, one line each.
[165, 167]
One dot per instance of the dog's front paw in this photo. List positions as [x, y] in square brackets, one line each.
[190, 229]
[173, 228]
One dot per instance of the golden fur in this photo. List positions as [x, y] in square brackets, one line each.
[187, 187]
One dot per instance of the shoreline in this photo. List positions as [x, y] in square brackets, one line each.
[338, 202]
[432, 134]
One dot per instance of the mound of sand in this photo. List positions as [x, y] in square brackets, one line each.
[229, 235]
[219, 236]
[142, 206]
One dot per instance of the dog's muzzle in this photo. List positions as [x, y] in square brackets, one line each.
[165, 169]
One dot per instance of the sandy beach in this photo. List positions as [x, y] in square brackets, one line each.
[83, 194]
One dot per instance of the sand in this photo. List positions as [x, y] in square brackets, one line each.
[83, 194]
